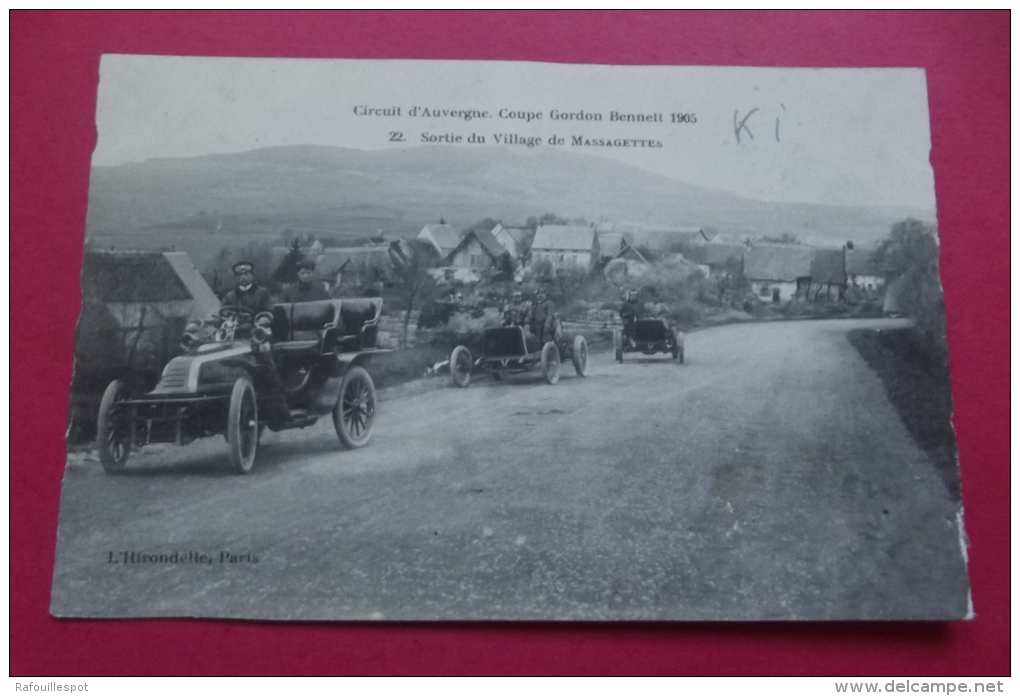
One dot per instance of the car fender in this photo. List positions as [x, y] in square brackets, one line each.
[329, 392]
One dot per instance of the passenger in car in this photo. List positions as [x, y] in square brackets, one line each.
[306, 289]
[543, 318]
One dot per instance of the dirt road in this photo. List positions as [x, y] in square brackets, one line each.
[768, 478]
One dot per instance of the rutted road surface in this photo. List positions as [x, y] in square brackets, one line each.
[768, 478]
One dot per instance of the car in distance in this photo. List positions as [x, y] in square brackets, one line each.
[511, 349]
[651, 335]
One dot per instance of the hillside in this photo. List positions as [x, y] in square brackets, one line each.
[344, 192]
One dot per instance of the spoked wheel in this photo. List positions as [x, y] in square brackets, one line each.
[243, 426]
[551, 363]
[460, 366]
[580, 356]
[354, 413]
[618, 345]
[114, 430]
[678, 346]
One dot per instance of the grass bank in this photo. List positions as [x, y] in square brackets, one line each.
[917, 384]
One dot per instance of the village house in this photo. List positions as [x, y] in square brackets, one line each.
[653, 236]
[669, 238]
[444, 238]
[729, 239]
[513, 239]
[828, 274]
[627, 264]
[861, 270]
[611, 244]
[715, 260]
[353, 265]
[478, 250]
[136, 305]
[778, 272]
[566, 246]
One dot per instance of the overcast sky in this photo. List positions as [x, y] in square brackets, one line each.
[856, 137]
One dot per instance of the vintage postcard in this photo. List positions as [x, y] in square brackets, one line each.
[429, 340]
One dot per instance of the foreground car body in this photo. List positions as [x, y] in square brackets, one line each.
[241, 374]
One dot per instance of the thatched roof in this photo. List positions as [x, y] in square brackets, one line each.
[612, 243]
[715, 254]
[827, 267]
[132, 276]
[337, 258]
[563, 238]
[778, 262]
[861, 261]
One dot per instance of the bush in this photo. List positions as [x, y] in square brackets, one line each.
[685, 314]
[434, 314]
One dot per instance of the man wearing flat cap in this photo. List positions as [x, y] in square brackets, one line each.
[306, 289]
[248, 294]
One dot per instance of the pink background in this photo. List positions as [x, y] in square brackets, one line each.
[54, 74]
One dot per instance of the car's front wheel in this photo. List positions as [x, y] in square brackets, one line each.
[551, 363]
[579, 356]
[354, 413]
[460, 366]
[243, 425]
[114, 429]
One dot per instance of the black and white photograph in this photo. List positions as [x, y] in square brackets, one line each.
[411, 340]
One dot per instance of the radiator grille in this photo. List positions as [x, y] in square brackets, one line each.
[174, 377]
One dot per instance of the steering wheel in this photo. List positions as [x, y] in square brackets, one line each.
[242, 315]
[233, 317]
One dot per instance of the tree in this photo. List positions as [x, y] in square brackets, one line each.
[729, 281]
[524, 247]
[297, 249]
[533, 223]
[909, 258]
[505, 268]
[486, 224]
[411, 265]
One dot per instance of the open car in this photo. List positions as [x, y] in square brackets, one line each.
[511, 349]
[651, 336]
[241, 373]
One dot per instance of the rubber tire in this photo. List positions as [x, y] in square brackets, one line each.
[618, 345]
[551, 363]
[460, 379]
[113, 461]
[579, 356]
[262, 429]
[242, 397]
[351, 440]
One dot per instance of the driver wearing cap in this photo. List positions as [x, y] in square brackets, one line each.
[543, 318]
[630, 312]
[247, 294]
